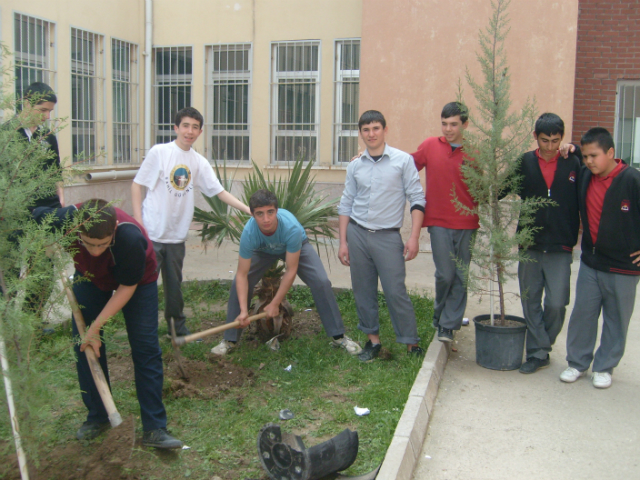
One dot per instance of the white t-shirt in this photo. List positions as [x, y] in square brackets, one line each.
[171, 175]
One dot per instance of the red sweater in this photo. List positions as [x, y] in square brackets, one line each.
[595, 198]
[442, 167]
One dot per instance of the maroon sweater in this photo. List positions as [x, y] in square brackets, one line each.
[442, 167]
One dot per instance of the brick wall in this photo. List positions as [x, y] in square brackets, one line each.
[608, 51]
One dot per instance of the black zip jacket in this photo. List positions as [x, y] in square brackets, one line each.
[619, 230]
[558, 225]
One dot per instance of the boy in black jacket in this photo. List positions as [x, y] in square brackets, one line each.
[544, 173]
[609, 196]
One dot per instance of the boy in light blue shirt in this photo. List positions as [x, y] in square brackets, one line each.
[274, 234]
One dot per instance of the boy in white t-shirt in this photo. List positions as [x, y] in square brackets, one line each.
[172, 172]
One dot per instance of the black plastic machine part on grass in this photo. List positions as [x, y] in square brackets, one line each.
[284, 456]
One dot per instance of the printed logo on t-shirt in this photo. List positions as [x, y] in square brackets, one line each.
[572, 177]
[180, 177]
[625, 205]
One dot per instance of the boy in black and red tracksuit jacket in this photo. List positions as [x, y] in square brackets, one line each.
[609, 195]
[545, 174]
[115, 256]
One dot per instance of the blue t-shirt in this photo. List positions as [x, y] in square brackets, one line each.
[288, 237]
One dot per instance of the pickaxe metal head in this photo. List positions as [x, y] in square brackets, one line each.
[176, 349]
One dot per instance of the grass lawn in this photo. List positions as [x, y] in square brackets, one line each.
[220, 411]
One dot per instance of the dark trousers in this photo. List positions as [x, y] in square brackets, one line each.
[141, 318]
[170, 257]
[548, 273]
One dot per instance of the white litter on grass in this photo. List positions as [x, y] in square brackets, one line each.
[186, 447]
[288, 369]
[465, 321]
[308, 310]
[361, 412]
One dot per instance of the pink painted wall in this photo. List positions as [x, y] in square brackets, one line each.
[414, 52]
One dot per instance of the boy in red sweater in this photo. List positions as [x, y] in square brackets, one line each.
[609, 201]
[451, 231]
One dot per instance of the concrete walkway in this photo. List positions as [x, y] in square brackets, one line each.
[504, 425]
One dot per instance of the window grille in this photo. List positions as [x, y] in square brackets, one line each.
[227, 125]
[125, 81]
[87, 96]
[172, 87]
[33, 47]
[295, 97]
[627, 127]
[347, 95]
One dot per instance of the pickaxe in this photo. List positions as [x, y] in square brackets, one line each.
[96, 370]
[177, 342]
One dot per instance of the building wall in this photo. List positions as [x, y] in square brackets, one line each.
[414, 54]
[608, 50]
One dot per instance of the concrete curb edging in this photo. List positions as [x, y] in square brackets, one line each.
[403, 452]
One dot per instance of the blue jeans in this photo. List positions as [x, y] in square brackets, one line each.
[141, 318]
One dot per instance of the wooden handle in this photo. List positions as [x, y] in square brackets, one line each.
[96, 370]
[212, 331]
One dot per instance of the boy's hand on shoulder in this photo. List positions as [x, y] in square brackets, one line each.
[636, 261]
[566, 148]
[357, 156]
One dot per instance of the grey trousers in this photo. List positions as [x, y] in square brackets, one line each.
[311, 271]
[449, 245]
[380, 254]
[615, 296]
[170, 258]
[549, 273]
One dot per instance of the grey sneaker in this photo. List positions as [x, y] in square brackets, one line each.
[349, 345]
[90, 430]
[160, 438]
[222, 348]
[445, 334]
[370, 352]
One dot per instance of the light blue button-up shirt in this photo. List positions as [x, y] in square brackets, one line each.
[375, 193]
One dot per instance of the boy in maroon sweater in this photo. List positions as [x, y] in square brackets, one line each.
[609, 200]
[451, 231]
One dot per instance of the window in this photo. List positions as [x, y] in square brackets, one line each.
[172, 87]
[87, 96]
[227, 127]
[124, 77]
[346, 94]
[295, 97]
[33, 52]
[627, 129]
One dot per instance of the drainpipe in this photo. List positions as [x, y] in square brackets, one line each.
[148, 33]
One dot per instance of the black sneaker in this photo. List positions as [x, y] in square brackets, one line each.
[90, 430]
[534, 364]
[415, 351]
[160, 438]
[445, 334]
[369, 352]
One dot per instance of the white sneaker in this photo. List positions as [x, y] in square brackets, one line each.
[601, 379]
[570, 375]
[349, 345]
[222, 348]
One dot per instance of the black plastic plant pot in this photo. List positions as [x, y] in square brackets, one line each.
[499, 348]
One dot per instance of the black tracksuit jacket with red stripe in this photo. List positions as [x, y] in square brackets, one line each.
[619, 230]
[559, 224]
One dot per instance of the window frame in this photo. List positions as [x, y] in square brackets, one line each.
[132, 85]
[172, 80]
[243, 77]
[618, 130]
[339, 79]
[304, 76]
[83, 70]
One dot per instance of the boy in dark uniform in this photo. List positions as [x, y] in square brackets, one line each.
[116, 258]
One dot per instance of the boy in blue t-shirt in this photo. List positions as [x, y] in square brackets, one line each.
[270, 235]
